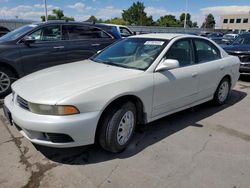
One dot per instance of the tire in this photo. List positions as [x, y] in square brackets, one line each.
[6, 79]
[115, 125]
[222, 92]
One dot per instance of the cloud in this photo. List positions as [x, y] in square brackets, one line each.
[86, 11]
[221, 10]
[31, 12]
[80, 7]
[158, 12]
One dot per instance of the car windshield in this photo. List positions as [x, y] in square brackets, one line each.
[135, 53]
[242, 40]
[13, 35]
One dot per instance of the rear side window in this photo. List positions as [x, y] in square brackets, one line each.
[182, 51]
[78, 32]
[206, 51]
[125, 32]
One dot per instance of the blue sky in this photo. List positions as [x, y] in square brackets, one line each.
[82, 9]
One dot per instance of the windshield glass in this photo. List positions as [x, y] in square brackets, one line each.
[242, 40]
[135, 53]
[13, 35]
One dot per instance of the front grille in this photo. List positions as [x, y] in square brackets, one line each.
[58, 138]
[22, 103]
[244, 58]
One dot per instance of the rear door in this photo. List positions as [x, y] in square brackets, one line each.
[84, 41]
[47, 50]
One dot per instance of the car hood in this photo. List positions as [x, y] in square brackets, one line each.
[54, 84]
[237, 48]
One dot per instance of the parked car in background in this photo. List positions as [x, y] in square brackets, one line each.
[229, 38]
[135, 81]
[117, 31]
[41, 45]
[3, 31]
[214, 35]
[240, 47]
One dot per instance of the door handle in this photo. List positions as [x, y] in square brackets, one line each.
[58, 47]
[95, 44]
[195, 74]
[222, 68]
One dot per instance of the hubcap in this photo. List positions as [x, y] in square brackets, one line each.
[4, 82]
[125, 128]
[223, 91]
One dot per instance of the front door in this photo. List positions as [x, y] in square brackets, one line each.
[176, 88]
[47, 50]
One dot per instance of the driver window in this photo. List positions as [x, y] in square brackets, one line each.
[181, 51]
[50, 33]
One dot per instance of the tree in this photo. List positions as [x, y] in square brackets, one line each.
[57, 15]
[209, 22]
[168, 21]
[195, 25]
[188, 20]
[136, 15]
[92, 19]
[117, 21]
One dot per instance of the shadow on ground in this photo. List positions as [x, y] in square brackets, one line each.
[144, 137]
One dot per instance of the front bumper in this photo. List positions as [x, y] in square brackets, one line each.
[81, 127]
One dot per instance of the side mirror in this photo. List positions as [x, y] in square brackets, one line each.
[168, 64]
[28, 40]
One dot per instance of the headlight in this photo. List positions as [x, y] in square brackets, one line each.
[52, 109]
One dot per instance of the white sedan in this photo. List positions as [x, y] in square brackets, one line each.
[135, 81]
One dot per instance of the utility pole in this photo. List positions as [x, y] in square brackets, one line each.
[185, 20]
[46, 10]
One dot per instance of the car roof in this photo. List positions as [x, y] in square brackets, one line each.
[166, 36]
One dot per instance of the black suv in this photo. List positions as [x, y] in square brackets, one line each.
[241, 47]
[41, 45]
[3, 31]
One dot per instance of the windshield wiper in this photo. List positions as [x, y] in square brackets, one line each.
[114, 64]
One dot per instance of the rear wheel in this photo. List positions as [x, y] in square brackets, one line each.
[222, 92]
[6, 79]
[117, 128]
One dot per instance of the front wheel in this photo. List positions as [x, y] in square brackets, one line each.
[117, 128]
[222, 92]
[6, 79]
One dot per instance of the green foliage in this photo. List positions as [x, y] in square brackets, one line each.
[188, 21]
[136, 15]
[209, 22]
[57, 15]
[117, 21]
[92, 19]
[168, 21]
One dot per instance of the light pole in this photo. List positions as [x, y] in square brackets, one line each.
[46, 10]
[185, 20]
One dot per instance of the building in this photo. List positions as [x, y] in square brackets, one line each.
[236, 22]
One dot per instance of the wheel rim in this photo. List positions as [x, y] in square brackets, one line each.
[125, 128]
[223, 91]
[4, 82]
